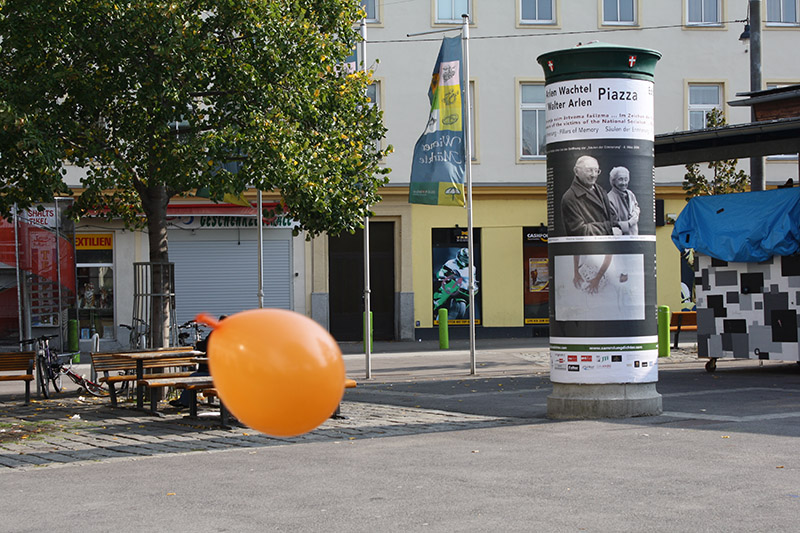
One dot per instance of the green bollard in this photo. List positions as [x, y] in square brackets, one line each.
[663, 331]
[368, 334]
[444, 333]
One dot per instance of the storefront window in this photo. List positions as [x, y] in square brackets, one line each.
[537, 277]
[95, 264]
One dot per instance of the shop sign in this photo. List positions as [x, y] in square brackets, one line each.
[226, 222]
[94, 241]
[45, 218]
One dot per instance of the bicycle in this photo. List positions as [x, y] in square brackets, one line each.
[50, 368]
[138, 334]
[191, 337]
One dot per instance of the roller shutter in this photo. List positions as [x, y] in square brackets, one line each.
[221, 277]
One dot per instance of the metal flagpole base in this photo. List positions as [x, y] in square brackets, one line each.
[614, 400]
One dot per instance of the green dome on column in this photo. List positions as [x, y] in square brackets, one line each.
[599, 60]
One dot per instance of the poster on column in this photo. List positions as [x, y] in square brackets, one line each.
[602, 230]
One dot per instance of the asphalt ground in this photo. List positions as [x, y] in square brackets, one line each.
[425, 446]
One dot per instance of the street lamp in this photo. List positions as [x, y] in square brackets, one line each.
[752, 33]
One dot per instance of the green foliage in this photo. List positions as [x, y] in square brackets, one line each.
[151, 99]
[725, 178]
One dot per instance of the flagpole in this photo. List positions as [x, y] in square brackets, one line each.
[468, 172]
[367, 303]
[425, 174]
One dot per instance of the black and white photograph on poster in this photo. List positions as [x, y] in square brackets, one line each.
[451, 275]
[601, 189]
[600, 287]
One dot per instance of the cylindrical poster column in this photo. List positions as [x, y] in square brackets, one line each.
[602, 244]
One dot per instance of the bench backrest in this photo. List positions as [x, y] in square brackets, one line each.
[106, 362]
[685, 318]
[13, 361]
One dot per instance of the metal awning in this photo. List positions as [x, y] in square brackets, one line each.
[736, 141]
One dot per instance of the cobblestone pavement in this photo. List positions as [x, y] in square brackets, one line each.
[73, 429]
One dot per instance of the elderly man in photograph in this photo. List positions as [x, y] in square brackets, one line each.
[585, 209]
[624, 207]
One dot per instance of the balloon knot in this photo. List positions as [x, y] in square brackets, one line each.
[205, 318]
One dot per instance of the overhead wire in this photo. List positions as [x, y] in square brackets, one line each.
[558, 33]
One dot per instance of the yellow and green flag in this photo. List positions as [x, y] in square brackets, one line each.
[439, 164]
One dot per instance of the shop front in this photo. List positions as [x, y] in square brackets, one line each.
[215, 253]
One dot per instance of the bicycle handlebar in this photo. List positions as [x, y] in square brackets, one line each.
[39, 338]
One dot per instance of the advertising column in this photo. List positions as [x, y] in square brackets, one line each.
[602, 244]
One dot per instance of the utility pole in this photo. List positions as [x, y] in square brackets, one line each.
[756, 163]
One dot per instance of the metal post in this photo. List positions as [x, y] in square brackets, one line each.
[756, 163]
[260, 218]
[61, 329]
[367, 302]
[20, 279]
[468, 172]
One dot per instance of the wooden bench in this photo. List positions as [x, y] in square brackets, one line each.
[682, 321]
[191, 383]
[21, 364]
[209, 392]
[125, 369]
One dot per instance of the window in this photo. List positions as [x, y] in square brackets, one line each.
[782, 12]
[619, 12]
[94, 257]
[450, 11]
[703, 12]
[374, 95]
[532, 140]
[371, 8]
[702, 99]
[537, 12]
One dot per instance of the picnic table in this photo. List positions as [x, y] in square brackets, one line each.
[140, 356]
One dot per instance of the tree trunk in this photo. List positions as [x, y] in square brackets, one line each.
[154, 203]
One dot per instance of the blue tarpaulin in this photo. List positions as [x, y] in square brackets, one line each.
[741, 227]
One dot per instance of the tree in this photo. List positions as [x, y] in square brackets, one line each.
[725, 178]
[153, 99]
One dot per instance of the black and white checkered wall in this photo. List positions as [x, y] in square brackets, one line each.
[748, 310]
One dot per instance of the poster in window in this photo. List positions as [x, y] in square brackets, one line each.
[536, 284]
[537, 275]
[451, 274]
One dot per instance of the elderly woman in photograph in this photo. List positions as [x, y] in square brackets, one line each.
[624, 207]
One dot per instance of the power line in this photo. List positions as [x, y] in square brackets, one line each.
[554, 33]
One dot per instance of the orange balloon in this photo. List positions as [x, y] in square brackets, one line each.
[277, 371]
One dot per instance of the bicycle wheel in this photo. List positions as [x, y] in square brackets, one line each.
[42, 376]
[55, 377]
[93, 388]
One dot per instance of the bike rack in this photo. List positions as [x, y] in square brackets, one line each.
[145, 300]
